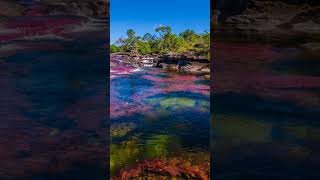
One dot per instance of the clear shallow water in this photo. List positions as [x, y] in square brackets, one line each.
[156, 114]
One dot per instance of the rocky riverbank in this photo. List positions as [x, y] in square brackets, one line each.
[182, 63]
[279, 19]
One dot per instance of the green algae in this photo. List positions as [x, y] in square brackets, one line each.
[177, 103]
[204, 103]
[158, 145]
[122, 129]
[173, 103]
[123, 154]
[204, 106]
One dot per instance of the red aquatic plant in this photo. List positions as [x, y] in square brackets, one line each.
[175, 167]
[178, 82]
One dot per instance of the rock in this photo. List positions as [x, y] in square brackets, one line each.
[90, 8]
[205, 70]
[312, 47]
[306, 27]
[185, 63]
[278, 17]
[207, 77]
[11, 8]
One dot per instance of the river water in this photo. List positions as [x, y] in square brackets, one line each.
[53, 102]
[266, 110]
[156, 114]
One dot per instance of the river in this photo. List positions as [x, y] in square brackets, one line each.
[53, 100]
[157, 114]
[266, 109]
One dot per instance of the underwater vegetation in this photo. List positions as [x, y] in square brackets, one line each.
[128, 151]
[177, 102]
[122, 129]
[173, 103]
[158, 145]
[173, 168]
[123, 154]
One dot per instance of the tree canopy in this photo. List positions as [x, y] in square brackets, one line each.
[163, 41]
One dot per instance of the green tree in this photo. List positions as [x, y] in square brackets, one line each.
[114, 48]
[190, 36]
[202, 47]
[164, 41]
[128, 43]
[131, 33]
[147, 37]
[143, 48]
[163, 31]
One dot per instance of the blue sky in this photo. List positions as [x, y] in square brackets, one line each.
[145, 15]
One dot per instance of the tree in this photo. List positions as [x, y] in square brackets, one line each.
[164, 41]
[127, 44]
[114, 48]
[147, 37]
[143, 48]
[189, 35]
[131, 33]
[163, 31]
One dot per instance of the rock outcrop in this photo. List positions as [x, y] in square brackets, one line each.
[282, 17]
[185, 64]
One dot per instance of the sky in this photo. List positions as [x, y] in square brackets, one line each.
[145, 15]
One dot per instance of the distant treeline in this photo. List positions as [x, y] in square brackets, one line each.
[164, 42]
